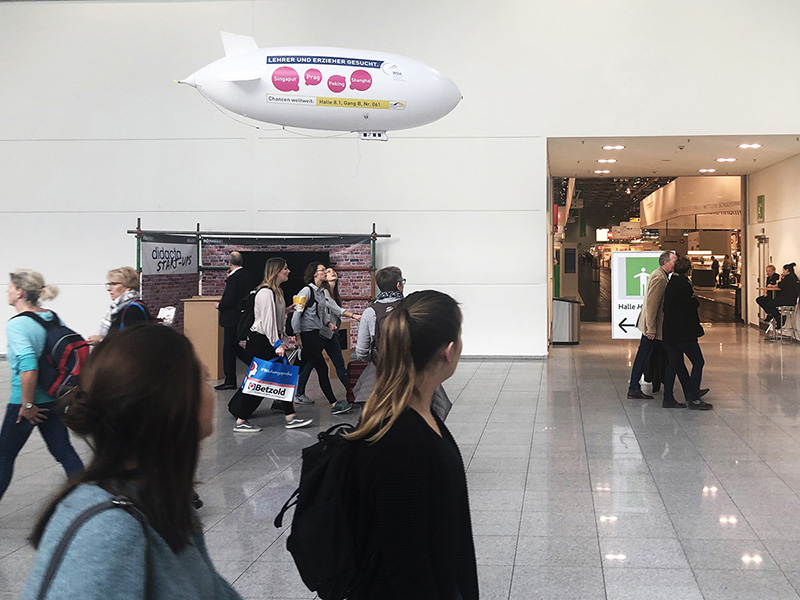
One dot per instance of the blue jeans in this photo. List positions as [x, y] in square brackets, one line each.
[13, 436]
[690, 383]
[642, 354]
[334, 352]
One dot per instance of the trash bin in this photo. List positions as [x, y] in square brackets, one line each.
[566, 321]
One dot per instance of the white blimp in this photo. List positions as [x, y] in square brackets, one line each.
[335, 89]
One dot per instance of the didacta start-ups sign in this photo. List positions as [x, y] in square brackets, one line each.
[630, 272]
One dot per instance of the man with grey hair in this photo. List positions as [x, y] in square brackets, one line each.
[651, 321]
[237, 286]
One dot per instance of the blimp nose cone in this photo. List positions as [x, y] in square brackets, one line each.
[189, 81]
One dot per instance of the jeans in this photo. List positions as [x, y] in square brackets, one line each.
[646, 346]
[334, 352]
[13, 436]
[690, 383]
[313, 344]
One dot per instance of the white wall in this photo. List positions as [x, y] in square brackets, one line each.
[780, 184]
[93, 132]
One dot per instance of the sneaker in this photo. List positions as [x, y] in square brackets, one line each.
[340, 407]
[704, 391]
[303, 399]
[295, 423]
[245, 427]
[699, 405]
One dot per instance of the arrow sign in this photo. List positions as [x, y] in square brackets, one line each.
[623, 324]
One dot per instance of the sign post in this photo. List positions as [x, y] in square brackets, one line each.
[630, 272]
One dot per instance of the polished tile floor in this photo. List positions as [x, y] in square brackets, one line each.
[576, 492]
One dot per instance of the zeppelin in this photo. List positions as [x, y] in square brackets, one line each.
[334, 89]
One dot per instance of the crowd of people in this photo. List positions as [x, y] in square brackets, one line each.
[125, 525]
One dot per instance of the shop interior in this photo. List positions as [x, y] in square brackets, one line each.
[654, 194]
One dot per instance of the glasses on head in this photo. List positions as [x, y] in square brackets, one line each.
[402, 281]
[112, 283]
[321, 269]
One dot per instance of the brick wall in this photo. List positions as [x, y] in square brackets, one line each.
[342, 256]
[168, 290]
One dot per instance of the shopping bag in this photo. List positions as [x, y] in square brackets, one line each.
[273, 379]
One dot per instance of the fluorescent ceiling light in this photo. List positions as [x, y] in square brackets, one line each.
[601, 171]
[606, 160]
[726, 160]
[749, 146]
[613, 147]
[707, 170]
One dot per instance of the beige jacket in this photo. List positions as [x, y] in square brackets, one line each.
[651, 317]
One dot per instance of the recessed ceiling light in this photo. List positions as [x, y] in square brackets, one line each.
[726, 160]
[613, 147]
[601, 171]
[606, 160]
[749, 146]
[707, 170]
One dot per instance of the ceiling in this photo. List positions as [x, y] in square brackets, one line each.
[648, 163]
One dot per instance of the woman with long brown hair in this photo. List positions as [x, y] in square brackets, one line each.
[265, 341]
[413, 528]
[143, 406]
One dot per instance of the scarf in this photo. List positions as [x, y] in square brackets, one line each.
[117, 306]
[392, 294]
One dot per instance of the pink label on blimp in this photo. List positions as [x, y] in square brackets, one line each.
[286, 79]
[313, 77]
[337, 83]
[360, 80]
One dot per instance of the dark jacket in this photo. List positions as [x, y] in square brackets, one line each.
[788, 292]
[681, 321]
[133, 313]
[413, 529]
[237, 286]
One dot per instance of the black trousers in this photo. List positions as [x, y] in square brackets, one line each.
[231, 350]
[770, 306]
[690, 383]
[241, 405]
[313, 344]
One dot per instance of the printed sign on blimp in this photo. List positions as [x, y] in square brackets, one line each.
[630, 272]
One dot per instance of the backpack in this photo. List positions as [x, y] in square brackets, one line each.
[382, 310]
[65, 352]
[247, 314]
[322, 540]
[312, 300]
[141, 306]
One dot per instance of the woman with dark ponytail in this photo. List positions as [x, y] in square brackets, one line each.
[414, 534]
[788, 290]
[143, 406]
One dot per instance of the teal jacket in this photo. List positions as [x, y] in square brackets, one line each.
[106, 559]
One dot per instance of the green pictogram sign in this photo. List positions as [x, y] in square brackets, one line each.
[637, 272]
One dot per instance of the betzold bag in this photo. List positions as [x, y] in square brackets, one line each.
[274, 379]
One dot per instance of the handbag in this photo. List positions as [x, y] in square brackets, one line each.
[58, 554]
[275, 379]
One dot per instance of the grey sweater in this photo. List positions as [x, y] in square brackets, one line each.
[106, 558]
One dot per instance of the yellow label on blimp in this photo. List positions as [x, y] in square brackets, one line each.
[336, 102]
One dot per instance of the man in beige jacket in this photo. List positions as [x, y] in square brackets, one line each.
[651, 320]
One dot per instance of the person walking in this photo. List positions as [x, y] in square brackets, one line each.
[28, 404]
[413, 526]
[144, 406]
[727, 266]
[237, 285]
[265, 341]
[681, 330]
[127, 308]
[650, 321]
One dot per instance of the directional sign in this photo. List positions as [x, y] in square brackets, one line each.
[630, 272]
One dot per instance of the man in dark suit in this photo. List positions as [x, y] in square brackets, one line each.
[237, 286]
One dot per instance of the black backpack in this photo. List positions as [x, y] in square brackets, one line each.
[247, 314]
[322, 540]
[65, 352]
[312, 300]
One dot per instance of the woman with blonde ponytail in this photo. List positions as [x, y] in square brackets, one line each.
[414, 535]
[29, 406]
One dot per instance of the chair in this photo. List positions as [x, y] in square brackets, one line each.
[789, 329]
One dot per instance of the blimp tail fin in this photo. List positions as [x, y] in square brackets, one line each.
[237, 44]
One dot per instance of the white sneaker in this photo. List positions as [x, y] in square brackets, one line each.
[303, 399]
[245, 427]
[295, 423]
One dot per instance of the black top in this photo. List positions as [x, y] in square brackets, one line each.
[788, 292]
[681, 321]
[133, 313]
[413, 516]
[237, 286]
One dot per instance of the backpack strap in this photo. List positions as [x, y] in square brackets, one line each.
[125, 311]
[58, 554]
[43, 322]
